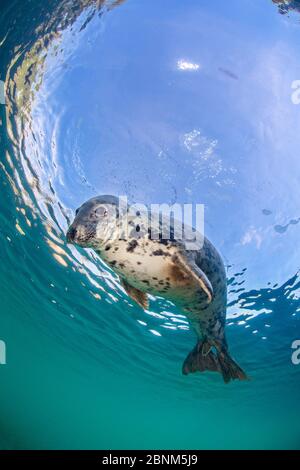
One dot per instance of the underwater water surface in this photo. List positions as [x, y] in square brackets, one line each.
[161, 101]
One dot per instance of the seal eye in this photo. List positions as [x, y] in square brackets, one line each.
[101, 211]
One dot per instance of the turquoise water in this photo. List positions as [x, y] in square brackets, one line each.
[164, 102]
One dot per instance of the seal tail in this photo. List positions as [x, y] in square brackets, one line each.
[230, 370]
[202, 358]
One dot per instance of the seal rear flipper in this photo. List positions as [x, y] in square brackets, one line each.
[201, 358]
[230, 370]
[137, 295]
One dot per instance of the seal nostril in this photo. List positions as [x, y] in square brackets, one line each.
[71, 234]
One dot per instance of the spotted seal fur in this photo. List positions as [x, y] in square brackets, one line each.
[194, 280]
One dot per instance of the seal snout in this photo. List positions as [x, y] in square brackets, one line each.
[71, 234]
[81, 234]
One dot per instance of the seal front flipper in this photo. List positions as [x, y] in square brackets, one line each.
[137, 295]
[193, 270]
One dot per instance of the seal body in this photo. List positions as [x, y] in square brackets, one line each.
[194, 280]
[155, 267]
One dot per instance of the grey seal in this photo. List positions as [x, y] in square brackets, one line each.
[194, 280]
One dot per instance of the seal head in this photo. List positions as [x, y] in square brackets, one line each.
[94, 223]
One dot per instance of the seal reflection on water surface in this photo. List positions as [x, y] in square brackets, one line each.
[194, 280]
